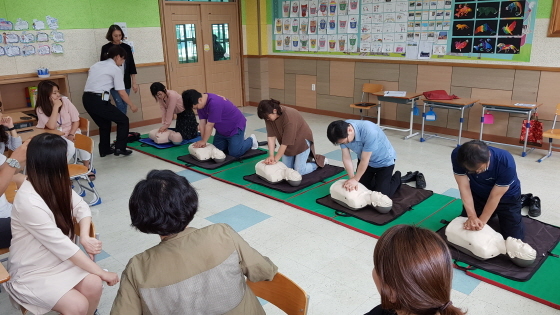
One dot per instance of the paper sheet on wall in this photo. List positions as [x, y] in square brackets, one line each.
[425, 50]
[411, 50]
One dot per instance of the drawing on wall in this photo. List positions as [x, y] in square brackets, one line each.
[42, 37]
[27, 38]
[52, 22]
[44, 50]
[460, 29]
[28, 50]
[38, 25]
[12, 51]
[21, 25]
[57, 37]
[57, 49]
[6, 25]
[2, 51]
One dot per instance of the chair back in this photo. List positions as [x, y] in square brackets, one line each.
[83, 143]
[4, 250]
[283, 293]
[91, 229]
[372, 88]
[84, 126]
[11, 192]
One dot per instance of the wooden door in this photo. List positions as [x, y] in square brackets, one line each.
[184, 57]
[222, 59]
[203, 48]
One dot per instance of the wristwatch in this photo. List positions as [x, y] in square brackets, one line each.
[10, 129]
[13, 163]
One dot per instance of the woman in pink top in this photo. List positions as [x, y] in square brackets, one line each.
[57, 112]
[170, 103]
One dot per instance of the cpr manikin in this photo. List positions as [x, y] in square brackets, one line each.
[207, 153]
[277, 172]
[358, 199]
[166, 136]
[487, 243]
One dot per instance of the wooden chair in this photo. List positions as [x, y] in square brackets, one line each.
[80, 172]
[11, 192]
[84, 126]
[552, 134]
[283, 293]
[369, 88]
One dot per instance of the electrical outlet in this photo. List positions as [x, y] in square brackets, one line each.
[312, 87]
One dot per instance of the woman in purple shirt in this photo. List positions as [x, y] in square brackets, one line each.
[217, 112]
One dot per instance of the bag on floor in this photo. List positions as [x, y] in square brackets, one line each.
[535, 131]
[133, 137]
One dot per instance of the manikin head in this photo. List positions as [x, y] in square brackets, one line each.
[340, 132]
[522, 254]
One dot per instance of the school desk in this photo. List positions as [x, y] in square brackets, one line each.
[409, 98]
[509, 107]
[457, 104]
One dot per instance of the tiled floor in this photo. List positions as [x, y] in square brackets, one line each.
[332, 263]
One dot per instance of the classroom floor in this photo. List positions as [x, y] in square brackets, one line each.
[332, 263]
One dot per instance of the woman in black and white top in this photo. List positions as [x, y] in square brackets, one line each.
[115, 36]
[102, 77]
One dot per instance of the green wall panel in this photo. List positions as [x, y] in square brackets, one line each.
[544, 9]
[84, 14]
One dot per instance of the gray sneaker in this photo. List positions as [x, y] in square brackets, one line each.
[255, 142]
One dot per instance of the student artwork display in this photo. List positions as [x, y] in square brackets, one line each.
[443, 29]
[17, 38]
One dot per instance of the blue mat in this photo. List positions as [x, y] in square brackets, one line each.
[151, 142]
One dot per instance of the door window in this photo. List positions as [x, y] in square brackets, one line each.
[220, 41]
[186, 43]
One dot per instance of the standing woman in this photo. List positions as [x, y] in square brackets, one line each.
[102, 77]
[294, 135]
[171, 102]
[47, 270]
[56, 112]
[115, 36]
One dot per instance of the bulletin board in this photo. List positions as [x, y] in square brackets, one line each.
[459, 29]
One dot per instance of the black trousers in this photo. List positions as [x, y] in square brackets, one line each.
[381, 179]
[187, 125]
[508, 212]
[103, 113]
[5, 232]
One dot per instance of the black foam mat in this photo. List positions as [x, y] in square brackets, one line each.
[211, 165]
[307, 180]
[541, 236]
[403, 200]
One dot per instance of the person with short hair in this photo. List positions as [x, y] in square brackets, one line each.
[102, 77]
[413, 273]
[488, 183]
[217, 112]
[170, 103]
[192, 271]
[294, 136]
[115, 36]
[376, 156]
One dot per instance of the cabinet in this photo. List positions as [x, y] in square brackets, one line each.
[12, 92]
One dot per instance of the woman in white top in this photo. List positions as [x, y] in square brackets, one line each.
[47, 270]
[55, 111]
[9, 139]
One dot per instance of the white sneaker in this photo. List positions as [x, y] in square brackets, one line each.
[326, 161]
[255, 142]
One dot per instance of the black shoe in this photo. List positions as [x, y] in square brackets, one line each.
[535, 207]
[123, 152]
[262, 143]
[420, 181]
[409, 177]
[526, 200]
[106, 153]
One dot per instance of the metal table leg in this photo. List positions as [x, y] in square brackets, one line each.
[423, 123]
[527, 127]
[461, 125]
[482, 122]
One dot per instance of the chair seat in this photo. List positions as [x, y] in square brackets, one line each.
[364, 106]
[552, 133]
[4, 250]
[77, 170]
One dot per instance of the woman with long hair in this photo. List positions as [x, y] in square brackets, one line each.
[9, 139]
[47, 270]
[413, 273]
[56, 112]
[170, 103]
[115, 36]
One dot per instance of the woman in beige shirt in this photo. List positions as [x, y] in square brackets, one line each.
[47, 270]
[286, 125]
[192, 271]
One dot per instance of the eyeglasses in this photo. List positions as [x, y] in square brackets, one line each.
[483, 168]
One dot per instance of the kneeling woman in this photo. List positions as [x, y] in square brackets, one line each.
[294, 135]
[171, 102]
[192, 271]
[47, 270]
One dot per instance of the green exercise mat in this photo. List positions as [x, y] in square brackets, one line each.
[306, 202]
[170, 154]
[448, 213]
[234, 172]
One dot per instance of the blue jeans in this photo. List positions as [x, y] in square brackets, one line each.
[235, 145]
[299, 162]
[121, 105]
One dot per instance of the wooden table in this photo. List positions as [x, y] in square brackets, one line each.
[409, 98]
[28, 133]
[509, 107]
[456, 104]
[20, 117]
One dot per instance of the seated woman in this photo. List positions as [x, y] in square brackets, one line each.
[47, 270]
[294, 136]
[170, 102]
[11, 140]
[56, 112]
[413, 273]
[192, 271]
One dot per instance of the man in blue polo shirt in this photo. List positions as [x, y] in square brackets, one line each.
[489, 186]
[376, 156]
